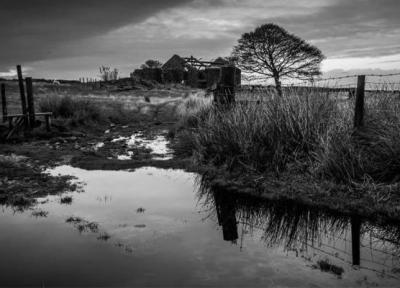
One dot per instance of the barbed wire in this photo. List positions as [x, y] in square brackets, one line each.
[355, 75]
[337, 83]
[382, 75]
[383, 83]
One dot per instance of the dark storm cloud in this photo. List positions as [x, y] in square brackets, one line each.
[355, 28]
[34, 30]
[71, 38]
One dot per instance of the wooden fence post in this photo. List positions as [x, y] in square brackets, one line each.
[4, 101]
[31, 103]
[359, 107]
[225, 92]
[22, 92]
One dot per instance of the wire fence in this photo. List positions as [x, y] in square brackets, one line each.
[376, 255]
[364, 93]
[378, 82]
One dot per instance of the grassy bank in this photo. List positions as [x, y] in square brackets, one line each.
[303, 146]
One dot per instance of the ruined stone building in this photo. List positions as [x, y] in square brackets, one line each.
[188, 71]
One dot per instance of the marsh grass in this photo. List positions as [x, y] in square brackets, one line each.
[104, 236]
[67, 200]
[191, 112]
[83, 225]
[326, 266]
[269, 135]
[40, 213]
[64, 106]
[302, 132]
[77, 110]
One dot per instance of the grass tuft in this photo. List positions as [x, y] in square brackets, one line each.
[298, 133]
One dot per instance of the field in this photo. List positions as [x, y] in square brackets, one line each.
[302, 146]
[84, 118]
[117, 168]
[139, 99]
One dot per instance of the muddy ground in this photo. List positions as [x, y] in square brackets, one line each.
[96, 146]
[24, 161]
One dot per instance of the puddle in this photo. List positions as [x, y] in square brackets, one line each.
[158, 146]
[127, 156]
[97, 146]
[155, 227]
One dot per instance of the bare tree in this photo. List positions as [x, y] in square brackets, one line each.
[151, 64]
[107, 74]
[271, 52]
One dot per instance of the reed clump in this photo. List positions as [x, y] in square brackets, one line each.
[300, 133]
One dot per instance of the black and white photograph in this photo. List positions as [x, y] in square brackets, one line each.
[200, 143]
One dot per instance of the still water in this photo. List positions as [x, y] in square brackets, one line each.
[155, 227]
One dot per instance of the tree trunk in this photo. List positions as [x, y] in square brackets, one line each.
[278, 85]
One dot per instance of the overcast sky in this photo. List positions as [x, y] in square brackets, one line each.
[71, 39]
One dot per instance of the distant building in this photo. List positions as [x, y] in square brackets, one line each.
[187, 70]
[175, 62]
[220, 62]
[174, 70]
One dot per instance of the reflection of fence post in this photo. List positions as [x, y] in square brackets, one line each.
[4, 101]
[31, 105]
[359, 107]
[22, 92]
[226, 214]
[355, 239]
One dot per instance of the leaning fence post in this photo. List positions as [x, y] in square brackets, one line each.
[22, 92]
[4, 101]
[359, 107]
[31, 104]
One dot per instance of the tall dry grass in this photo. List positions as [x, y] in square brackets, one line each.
[84, 111]
[301, 133]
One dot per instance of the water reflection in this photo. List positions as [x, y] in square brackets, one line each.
[154, 227]
[311, 233]
[226, 214]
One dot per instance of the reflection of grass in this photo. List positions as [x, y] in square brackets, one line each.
[140, 210]
[283, 222]
[325, 266]
[83, 225]
[40, 213]
[74, 220]
[304, 229]
[66, 200]
[104, 236]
